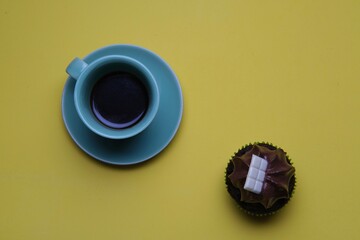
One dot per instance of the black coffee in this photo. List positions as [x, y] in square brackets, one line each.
[119, 100]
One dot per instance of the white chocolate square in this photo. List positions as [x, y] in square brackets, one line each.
[258, 187]
[261, 176]
[263, 165]
[256, 174]
[250, 183]
[255, 161]
[253, 173]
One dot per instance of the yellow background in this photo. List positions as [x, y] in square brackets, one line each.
[287, 72]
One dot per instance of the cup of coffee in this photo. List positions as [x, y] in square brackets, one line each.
[115, 96]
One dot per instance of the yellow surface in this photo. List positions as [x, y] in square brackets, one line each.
[287, 72]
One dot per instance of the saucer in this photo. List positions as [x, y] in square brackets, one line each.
[154, 138]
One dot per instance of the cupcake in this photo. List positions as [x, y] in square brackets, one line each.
[260, 178]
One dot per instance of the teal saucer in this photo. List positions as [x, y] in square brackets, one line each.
[154, 138]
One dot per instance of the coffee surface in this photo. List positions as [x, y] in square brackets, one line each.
[119, 100]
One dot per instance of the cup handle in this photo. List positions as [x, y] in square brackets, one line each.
[76, 67]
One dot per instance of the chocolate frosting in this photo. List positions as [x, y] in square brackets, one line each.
[277, 175]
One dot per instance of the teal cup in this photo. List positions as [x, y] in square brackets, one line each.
[88, 75]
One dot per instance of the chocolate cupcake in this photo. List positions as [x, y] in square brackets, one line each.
[260, 178]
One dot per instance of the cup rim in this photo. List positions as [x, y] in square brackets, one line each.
[95, 125]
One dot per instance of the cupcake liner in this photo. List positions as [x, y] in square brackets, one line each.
[256, 209]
